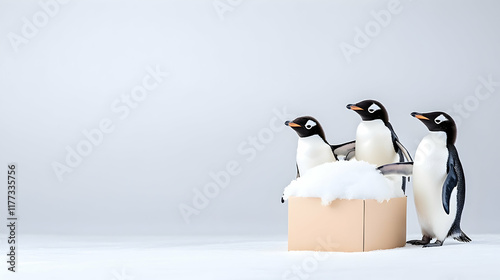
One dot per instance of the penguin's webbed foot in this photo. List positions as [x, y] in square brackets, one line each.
[425, 240]
[462, 238]
[438, 243]
[417, 242]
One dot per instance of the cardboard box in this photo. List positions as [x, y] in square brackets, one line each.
[346, 225]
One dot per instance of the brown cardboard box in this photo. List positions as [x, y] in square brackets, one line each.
[346, 225]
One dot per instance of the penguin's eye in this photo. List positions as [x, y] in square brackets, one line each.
[310, 124]
[374, 107]
[440, 119]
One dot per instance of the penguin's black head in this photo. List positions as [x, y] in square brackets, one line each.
[439, 121]
[370, 110]
[306, 126]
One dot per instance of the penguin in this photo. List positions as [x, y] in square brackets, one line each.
[313, 149]
[376, 141]
[438, 182]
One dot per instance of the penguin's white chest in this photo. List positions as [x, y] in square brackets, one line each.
[312, 151]
[374, 143]
[429, 174]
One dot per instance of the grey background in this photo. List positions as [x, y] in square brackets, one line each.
[226, 78]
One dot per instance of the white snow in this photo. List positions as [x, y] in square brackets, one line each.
[343, 180]
[242, 257]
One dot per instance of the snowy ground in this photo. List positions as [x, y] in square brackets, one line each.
[146, 258]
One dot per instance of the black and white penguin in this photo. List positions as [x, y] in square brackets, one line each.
[438, 182]
[376, 141]
[312, 149]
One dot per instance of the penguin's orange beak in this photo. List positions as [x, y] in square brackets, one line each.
[419, 116]
[354, 107]
[291, 124]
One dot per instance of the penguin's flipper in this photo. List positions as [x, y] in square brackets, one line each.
[347, 150]
[404, 155]
[398, 168]
[298, 173]
[457, 178]
[404, 151]
[350, 155]
[450, 183]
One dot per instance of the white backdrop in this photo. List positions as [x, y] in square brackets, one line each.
[236, 70]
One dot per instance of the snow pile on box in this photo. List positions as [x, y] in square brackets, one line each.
[343, 180]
